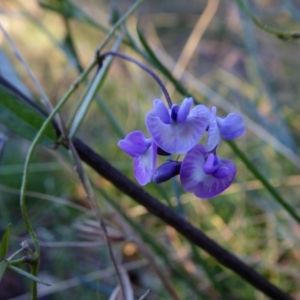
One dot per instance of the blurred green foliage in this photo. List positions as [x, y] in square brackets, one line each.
[254, 71]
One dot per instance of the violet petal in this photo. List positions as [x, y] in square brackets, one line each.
[161, 111]
[211, 164]
[178, 137]
[193, 178]
[144, 165]
[213, 136]
[224, 170]
[231, 127]
[184, 109]
[212, 186]
[213, 114]
[191, 171]
[135, 143]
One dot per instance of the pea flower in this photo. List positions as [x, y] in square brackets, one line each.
[205, 174]
[144, 153]
[177, 130]
[228, 128]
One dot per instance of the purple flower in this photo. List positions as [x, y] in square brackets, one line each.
[144, 153]
[230, 127]
[177, 130]
[205, 174]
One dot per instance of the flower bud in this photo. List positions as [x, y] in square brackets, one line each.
[166, 171]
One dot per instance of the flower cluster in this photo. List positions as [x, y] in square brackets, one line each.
[179, 130]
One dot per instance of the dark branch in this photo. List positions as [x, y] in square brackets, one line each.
[196, 236]
[193, 234]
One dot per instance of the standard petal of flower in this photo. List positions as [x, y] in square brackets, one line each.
[232, 126]
[213, 136]
[191, 171]
[161, 111]
[212, 186]
[178, 137]
[144, 165]
[135, 143]
[163, 134]
[184, 109]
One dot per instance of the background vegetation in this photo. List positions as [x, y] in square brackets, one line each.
[218, 53]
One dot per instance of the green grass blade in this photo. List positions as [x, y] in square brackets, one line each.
[283, 35]
[3, 266]
[289, 209]
[157, 248]
[8, 72]
[110, 117]
[198, 259]
[92, 89]
[153, 58]
[28, 275]
[5, 242]
[19, 117]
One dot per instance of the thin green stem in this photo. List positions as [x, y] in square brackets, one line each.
[264, 181]
[34, 272]
[111, 33]
[93, 87]
[38, 136]
[32, 148]
[34, 268]
[283, 35]
[14, 254]
[24, 211]
[18, 261]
